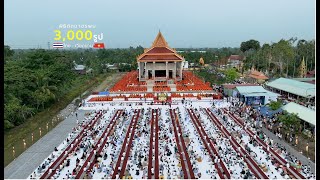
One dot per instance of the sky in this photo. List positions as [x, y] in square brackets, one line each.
[183, 23]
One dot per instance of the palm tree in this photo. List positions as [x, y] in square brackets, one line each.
[44, 92]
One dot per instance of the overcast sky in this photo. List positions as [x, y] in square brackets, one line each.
[184, 23]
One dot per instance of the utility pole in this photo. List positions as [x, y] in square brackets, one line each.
[48, 45]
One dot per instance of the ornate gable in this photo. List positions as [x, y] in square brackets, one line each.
[160, 51]
[160, 41]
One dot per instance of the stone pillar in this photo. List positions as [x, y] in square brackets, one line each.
[139, 75]
[174, 70]
[153, 70]
[167, 71]
[145, 70]
[181, 70]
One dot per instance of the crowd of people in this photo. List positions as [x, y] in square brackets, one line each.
[170, 162]
[255, 121]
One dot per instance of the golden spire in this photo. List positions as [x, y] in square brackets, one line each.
[201, 61]
[159, 41]
[302, 69]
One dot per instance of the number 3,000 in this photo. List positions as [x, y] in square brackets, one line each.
[79, 35]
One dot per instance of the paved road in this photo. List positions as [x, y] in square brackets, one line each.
[29, 160]
[302, 158]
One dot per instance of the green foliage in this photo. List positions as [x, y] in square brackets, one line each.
[210, 56]
[290, 120]
[124, 67]
[34, 83]
[7, 51]
[305, 49]
[210, 76]
[281, 58]
[274, 105]
[35, 79]
[249, 45]
[231, 74]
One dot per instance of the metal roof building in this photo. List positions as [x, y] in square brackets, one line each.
[304, 113]
[254, 91]
[256, 95]
[298, 88]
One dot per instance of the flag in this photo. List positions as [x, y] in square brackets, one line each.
[98, 45]
[57, 45]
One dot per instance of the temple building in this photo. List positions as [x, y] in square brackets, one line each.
[160, 62]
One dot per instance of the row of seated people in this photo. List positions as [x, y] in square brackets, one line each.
[135, 96]
[177, 95]
[128, 88]
[149, 95]
[210, 95]
[205, 95]
[105, 98]
[119, 96]
[199, 87]
[161, 88]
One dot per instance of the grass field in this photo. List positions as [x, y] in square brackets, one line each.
[44, 120]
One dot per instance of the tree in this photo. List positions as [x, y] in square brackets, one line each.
[274, 105]
[231, 74]
[289, 120]
[7, 51]
[250, 45]
[306, 49]
[44, 92]
[284, 54]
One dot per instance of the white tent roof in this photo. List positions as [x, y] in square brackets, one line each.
[79, 67]
[304, 113]
[255, 91]
[294, 87]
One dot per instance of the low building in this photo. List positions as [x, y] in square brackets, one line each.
[255, 95]
[235, 61]
[80, 69]
[311, 74]
[113, 66]
[230, 89]
[256, 77]
[292, 89]
[222, 63]
[307, 115]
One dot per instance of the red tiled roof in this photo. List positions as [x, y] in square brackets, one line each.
[160, 57]
[257, 75]
[311, 72]
[159, 50]
[236, 57]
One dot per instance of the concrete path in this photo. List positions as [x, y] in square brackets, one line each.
[304, 160]
[29, 160]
